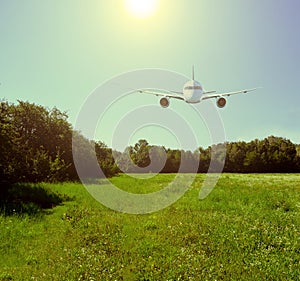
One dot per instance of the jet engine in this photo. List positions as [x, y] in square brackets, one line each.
[164, 102]
[221, 102]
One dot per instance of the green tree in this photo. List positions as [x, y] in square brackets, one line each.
[205, 156]
[125, 160]
[7, 141]
[173, 161]
[140, 153]
[282, 154]
[236, 153]
[105, 159]
[85, 158]
[36, 143]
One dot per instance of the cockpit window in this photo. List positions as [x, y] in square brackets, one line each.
[193, 88]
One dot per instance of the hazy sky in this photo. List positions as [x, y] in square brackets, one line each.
[55, 53]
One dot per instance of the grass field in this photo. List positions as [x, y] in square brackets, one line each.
[248, 228]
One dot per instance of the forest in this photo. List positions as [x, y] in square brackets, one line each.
[36, 146]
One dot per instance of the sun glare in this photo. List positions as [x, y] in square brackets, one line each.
[141, 8]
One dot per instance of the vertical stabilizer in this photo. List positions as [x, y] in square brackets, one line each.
[193, 75]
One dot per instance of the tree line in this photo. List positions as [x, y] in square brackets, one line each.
[36, 145]
[270, 155]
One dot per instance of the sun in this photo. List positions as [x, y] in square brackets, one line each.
[141, 8]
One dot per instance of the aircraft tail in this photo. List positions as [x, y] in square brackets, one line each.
[193, 73]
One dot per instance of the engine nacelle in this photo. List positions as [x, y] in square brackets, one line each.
[221, 102]
[164, 102]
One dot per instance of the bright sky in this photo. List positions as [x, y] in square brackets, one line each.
[55, 53]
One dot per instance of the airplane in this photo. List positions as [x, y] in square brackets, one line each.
[192, 93]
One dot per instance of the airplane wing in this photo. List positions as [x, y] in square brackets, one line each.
[216, 95]
[167, 94]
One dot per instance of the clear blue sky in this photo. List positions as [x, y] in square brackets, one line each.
[54, 53]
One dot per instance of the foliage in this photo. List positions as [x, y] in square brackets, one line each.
[105, 159]
[140, 153]
[36, 145]
[272, 154]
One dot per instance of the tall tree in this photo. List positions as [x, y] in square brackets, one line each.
[105, 159]
[38, 143]
[141, 153]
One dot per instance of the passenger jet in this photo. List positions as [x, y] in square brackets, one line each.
[192, 93]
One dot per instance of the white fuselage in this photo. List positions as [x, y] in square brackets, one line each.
[192, 91]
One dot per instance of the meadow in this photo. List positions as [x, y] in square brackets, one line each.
[248, 228]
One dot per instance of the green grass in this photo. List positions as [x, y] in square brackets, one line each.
[248, 228]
